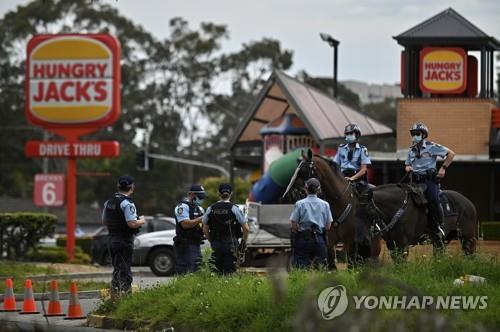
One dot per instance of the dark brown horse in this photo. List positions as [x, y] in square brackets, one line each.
[410, 225]
[344, 203]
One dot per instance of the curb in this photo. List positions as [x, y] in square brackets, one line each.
[91, 275]
[15, 325]
[108, 323]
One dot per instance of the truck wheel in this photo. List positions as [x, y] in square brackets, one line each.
[162, 261]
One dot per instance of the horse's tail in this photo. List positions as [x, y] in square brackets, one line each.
[466, 222]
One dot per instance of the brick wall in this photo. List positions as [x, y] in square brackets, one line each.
[463, 125]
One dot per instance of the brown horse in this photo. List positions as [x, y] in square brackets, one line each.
[401, 221]
[344, 203]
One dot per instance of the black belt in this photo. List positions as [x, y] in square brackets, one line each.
[308, 233]
[430, 175]
[351, 172]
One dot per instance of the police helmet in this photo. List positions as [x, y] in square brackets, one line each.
[313, 185]
[198, 190]
[419, 127]
[352, 128]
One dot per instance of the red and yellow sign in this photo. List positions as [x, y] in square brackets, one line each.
[73, 80]
[81, 149]
[443, 70]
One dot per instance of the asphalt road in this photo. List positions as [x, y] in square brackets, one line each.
[13, 321]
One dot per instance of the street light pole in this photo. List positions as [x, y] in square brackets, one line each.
[334, 44]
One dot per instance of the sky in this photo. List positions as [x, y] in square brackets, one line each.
[367, 51]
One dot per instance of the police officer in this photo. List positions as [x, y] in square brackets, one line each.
[223, 225]
[120, 216]
[310, 220]
[421, 161]
[188, 229]
[353, 159]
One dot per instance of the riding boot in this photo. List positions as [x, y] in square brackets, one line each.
[437, 219]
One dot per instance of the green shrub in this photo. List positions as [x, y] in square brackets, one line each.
[48, 254]
[84, 242]
[57, 255]
[21, 231]
[491, 230]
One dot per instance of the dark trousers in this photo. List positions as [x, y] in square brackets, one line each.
[187, 257]
[120, 249]
[223, 255]
[432, 195]
[309, 251]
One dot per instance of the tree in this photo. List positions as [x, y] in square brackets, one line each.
[139, 107]
[248, 70]
[169, 103]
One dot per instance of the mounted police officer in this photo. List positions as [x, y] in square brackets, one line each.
[310, 219]
[223, 225]
[421, 161]
[120, 216]
[353, 159]
[188, 229]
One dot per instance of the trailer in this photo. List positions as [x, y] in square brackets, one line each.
[269, 230]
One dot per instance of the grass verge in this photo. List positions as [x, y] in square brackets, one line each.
[283, 302]
[19, 271]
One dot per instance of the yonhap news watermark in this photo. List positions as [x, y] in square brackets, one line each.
[334, 301]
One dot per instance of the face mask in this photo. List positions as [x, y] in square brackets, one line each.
[417, 138]
[350, 138]
[197, 201]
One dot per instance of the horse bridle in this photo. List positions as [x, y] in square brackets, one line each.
[310, 174]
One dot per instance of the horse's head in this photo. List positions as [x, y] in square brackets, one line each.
[304, 171]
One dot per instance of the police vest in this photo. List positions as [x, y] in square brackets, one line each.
[195, 233]
[114, 218]
[222, 222]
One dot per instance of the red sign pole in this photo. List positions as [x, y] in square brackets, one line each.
[71, 103]
[71, 208]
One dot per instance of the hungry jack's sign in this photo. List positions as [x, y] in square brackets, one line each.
[443, 70]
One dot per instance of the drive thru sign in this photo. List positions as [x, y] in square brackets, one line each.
[72, 89]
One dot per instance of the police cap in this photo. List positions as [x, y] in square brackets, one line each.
[198, 190]
[125, 181]
[313, 185]
[225, 188]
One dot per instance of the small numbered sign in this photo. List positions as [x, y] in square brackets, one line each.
[49, 190]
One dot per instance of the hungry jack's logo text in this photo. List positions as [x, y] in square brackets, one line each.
[443, 70]
[73, 80]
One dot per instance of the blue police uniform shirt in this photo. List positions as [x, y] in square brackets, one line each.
[311, 210]
[429, 151]
[359, 157]
[128, 208]
[237, 212]
[182, 211]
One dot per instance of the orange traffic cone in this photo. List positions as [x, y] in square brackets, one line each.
[54, 304]
[74, 308]
[9, 300]
[29, 305]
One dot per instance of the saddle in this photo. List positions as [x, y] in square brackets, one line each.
[417, 193]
